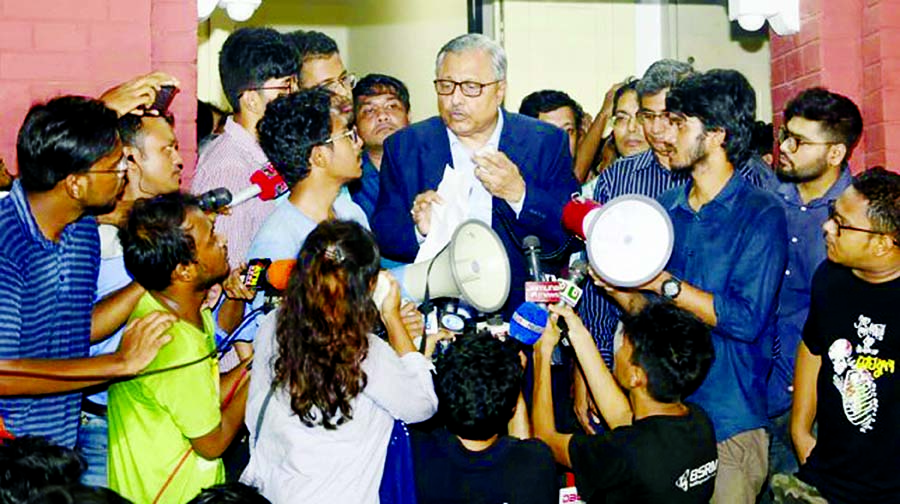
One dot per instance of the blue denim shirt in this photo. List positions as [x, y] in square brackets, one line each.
[806, 250]
[735, 249]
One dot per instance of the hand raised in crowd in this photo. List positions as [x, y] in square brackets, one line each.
[499, 175]
[413, 319]
[630, 300]
[421, 210]
[609, 100]
[132, 97]
[583, 405]
[234, 287]
[142, 339]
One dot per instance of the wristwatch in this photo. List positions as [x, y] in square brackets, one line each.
[671, 288]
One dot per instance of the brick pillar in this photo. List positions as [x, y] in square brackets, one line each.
[53, 47]
[851, 47]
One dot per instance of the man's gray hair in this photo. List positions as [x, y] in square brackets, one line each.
[475, 42]
[663, 74]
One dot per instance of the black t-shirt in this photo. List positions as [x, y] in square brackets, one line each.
[511, 471]
[669, 459]
[854, 326]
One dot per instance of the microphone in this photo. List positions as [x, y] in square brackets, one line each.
[532, 246]
[268, 275]
[527, 323]
[570, 295]
[267, 184]
[214, 200]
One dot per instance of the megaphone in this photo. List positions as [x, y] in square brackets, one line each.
[473, 267]
[628, 240]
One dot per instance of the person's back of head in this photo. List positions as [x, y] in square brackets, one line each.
[839, 117]
[478, 383]
[64, 136]
[672, 346]
[250, 57]
[77, 494]
[29, 464]
[324, 322]
[154, 240]
[229, 493]
[722, 100]
[662, 75]
[292, 126]
[881, 188]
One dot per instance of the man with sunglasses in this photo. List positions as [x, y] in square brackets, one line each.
[846, 377]
[820, 130]
[519, 170]
[256, 66]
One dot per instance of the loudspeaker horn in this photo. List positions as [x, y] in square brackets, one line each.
[473, 267]
[628, 240]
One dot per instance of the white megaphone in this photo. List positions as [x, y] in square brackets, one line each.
[473, 267]
[628, 240]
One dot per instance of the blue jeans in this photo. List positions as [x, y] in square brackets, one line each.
[92, 445]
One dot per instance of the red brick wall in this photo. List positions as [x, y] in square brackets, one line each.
[851, 47]
[51, 47]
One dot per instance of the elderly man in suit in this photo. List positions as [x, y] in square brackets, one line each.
[520, 169]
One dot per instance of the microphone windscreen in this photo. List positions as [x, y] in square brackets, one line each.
[528, 323]
[531, 242]
[279, 272]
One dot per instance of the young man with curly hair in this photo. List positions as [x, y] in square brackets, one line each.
[471, 459]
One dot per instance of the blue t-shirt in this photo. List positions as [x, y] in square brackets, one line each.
[46, 298]
[735, 248]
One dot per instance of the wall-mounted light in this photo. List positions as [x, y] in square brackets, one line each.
[783, 15]
[238, 10]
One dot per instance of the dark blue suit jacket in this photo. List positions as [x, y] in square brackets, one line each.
[414, 160]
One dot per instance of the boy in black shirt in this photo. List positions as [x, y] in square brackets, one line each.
[470, 460]
[659, 449]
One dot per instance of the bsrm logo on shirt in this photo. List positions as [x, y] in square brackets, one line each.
[698, 476]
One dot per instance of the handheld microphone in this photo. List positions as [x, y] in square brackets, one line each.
[268, 275]
[570, 295]
[527, 323]
[532, 246]
[267, 184]
[214, 200]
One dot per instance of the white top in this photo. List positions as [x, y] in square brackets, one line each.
[291, 462]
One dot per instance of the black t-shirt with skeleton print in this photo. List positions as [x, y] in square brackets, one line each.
[854, 326]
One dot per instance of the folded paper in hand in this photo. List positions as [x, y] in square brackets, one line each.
[454, 190]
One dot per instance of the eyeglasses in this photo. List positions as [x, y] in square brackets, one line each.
[352, 133]
[347, 81]
[121, 168]
[288, 87]
[649, 116]
[790, 142]
[472, 89]
[623, 118]
[835, 217]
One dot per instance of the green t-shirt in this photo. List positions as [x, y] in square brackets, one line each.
[153, 418]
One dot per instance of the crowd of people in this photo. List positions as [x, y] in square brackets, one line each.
[137, 364]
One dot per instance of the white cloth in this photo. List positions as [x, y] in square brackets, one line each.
[291, 462]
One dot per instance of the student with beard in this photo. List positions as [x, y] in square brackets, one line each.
[168, 427]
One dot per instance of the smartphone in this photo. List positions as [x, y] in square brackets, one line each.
[164, 98]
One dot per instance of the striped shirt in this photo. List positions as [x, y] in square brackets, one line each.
[228, 161]
[45, 310]
[642, 174]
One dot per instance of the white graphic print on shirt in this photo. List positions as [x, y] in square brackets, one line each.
[855, 375]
